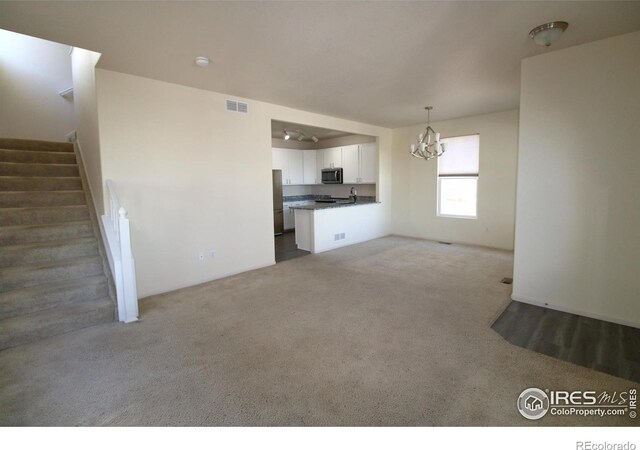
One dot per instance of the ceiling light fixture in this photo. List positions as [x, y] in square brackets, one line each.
[429, 145]
[286, 135]
[301, 137]
[314, 139]
[202, 61]
[548, 33]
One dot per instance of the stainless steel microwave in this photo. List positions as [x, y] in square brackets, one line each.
[332, 176]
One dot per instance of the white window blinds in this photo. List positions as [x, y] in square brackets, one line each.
[462, 156]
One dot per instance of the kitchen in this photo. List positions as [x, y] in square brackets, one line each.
[316, 170]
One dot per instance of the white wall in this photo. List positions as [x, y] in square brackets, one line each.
[415, 183]
[83, 64]
[331, 221]
[195, 177]
[578, 214]
[32, 72]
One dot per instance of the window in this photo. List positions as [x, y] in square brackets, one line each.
[458, 177]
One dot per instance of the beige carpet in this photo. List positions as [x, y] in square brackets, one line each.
[390, 332]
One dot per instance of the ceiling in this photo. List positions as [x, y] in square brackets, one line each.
[278, 127]
[375, 62]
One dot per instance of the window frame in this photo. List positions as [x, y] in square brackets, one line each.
[458, 176]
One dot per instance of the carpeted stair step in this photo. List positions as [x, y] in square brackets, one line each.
[49, 322]
[46, 146]
[31, 299]
[38, 274]
[16, 199]
[28, 234]
[23, 254]
[13, 169]
[32, 156]
[42, 215]
[11, 183]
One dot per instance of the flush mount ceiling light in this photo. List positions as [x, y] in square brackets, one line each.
[548, 33]
[314, 139]
[429, 145]
[202, 61]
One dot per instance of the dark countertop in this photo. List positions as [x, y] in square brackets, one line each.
[339, 204]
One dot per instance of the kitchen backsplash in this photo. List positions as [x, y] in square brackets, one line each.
[331, 190]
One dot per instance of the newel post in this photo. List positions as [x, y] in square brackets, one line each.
[128, 268]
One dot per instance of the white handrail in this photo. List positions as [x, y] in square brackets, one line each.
[116, 226]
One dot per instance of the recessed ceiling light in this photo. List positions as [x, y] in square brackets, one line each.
[548, 33]
[202, 61]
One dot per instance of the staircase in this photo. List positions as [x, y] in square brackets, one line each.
[52, 279]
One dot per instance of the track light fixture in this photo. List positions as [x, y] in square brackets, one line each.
[314, 139]
[286, 135]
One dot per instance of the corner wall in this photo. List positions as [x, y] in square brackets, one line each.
[195, 177]
[83, 63]
[32, 73]
[415, 184]
[578, 214]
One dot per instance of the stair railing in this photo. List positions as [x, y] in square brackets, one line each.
[116, 227]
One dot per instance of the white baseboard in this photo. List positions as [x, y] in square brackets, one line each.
[574, 311]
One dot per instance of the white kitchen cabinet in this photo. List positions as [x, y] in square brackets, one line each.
[350, 164]
[319, 165]
[332, 157]
[360, 163]
[296, 166]
[279, 159]
[368, 163]
[290, 162]
[310, 167]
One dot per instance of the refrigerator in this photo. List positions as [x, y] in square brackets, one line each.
[278, 214]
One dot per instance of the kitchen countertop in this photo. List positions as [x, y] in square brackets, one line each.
[339, 204]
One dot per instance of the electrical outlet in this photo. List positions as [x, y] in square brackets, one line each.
[341, 235]
[201, 256]
[336, 237]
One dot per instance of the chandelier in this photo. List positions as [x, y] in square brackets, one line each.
[429, 145]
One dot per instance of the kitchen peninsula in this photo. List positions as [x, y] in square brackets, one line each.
[325, 226]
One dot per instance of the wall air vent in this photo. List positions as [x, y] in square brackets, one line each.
[237, 106]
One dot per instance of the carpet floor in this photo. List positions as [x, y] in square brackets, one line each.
[395, 331]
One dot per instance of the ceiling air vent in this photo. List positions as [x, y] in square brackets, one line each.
[237, 106]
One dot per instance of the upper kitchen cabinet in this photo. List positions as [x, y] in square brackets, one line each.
[291, 164]
[310, 167]
[332, 157]
[368, 163]
[360, 163]
[351, 164]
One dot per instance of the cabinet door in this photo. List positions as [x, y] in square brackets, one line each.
[310, 175]
[320, 165]
[332, 157]
[369, 163]
[296, 171]
[350, 164]
[279, 160]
